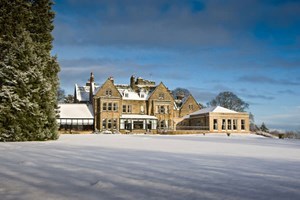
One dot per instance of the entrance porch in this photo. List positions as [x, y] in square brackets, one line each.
[138, 123]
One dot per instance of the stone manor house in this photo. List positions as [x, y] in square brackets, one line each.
[142, 107]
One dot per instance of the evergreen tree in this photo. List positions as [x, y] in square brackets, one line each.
[40, 28]
[28, 73]
[264, 128]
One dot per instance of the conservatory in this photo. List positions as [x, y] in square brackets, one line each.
[75, 117]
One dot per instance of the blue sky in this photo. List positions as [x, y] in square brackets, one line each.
[249, 47]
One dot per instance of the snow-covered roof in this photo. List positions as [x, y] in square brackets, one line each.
[83, 92]
[72, 111]
[129, 94]
[123, 86]
[214, 109]
[135, 116]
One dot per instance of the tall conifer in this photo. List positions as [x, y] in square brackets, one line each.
[28, 72]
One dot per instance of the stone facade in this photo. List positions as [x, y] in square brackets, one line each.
[188, 106]
[216, 119]
[107, 103]
[141, 106]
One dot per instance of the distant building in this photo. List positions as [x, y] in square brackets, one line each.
[216, 119]
[142, 106]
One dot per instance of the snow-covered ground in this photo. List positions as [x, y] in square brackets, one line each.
[151, 167]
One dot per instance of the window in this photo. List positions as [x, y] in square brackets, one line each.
[128, 125]
[114, 123]
[149, 125]
[109, 107]
[229, 124]
[161, 96]
[243, 124]
[116, 106]
[138, 124]
[104, 123]
[191, 107]
[108, 92]
[161, 124]
[215, 124]
[129, 108]
[223, 124]
[104, 106]
[109, 124]
[161, 109]
[234, 124]
[126, 95]
[142, 95]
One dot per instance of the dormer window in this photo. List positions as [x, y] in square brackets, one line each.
[126, 95]
[108, 92]
[142, 95]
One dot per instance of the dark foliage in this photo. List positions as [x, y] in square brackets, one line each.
[229, 100]
[180, 92]
[264, 128]
[28, 72]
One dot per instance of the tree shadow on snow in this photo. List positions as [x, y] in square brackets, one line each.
[80, 172]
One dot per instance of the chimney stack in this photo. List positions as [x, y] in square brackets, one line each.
[112, 79]
[92, 87]
[132, 82]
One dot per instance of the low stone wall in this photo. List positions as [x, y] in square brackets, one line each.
[182, 132]
[138, 131]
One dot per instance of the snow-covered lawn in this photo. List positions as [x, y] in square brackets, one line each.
[151, 167]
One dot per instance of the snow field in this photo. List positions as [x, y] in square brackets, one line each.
[213, 166]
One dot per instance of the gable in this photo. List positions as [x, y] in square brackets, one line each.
[190, 105]
[108, 89]
[161, 92]
[190, 100]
